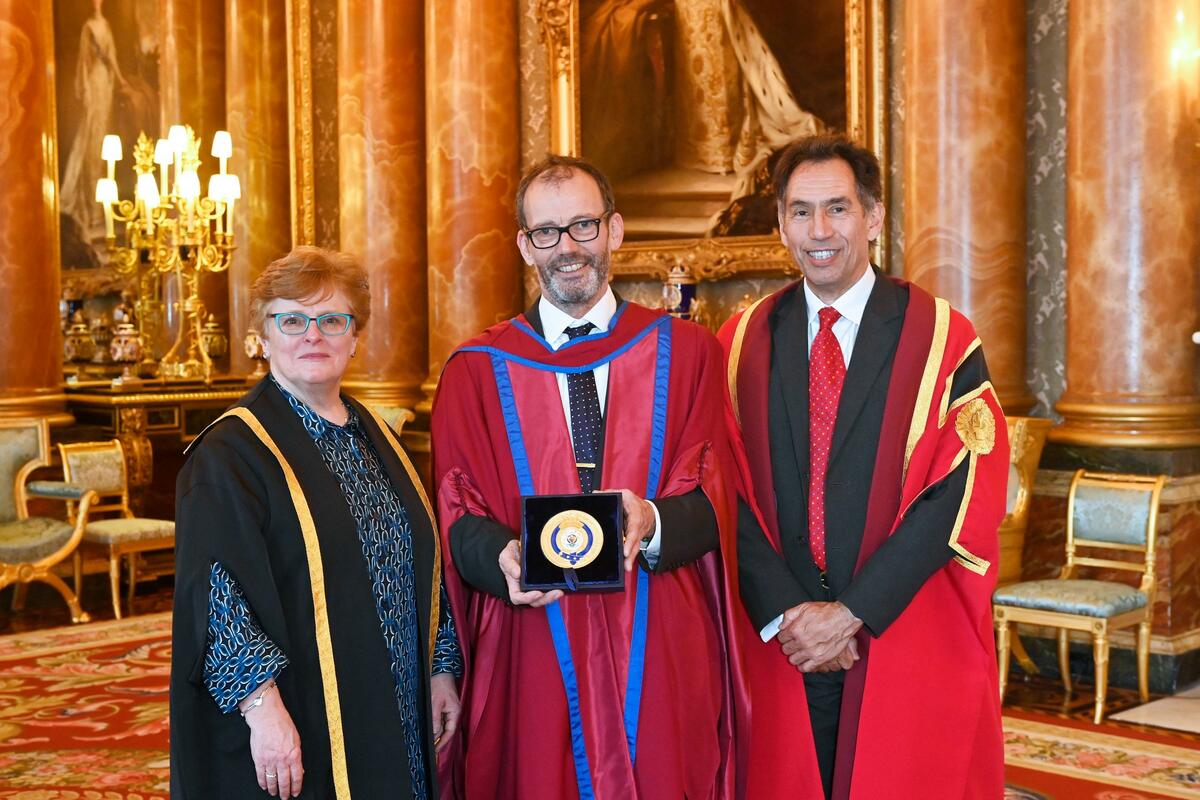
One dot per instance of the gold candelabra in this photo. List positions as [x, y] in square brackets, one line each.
[169, 227]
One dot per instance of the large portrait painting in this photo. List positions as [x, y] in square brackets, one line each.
[686, 104]
[106, 56]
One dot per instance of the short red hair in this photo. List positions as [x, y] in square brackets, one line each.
[311, 272]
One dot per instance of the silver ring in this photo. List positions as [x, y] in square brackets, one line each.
[271, 775]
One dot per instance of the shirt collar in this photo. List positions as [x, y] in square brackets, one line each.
[555, 321]
[851, 305]
[314, 422]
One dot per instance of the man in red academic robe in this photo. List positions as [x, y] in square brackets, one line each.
[873, 461]
[620, 694]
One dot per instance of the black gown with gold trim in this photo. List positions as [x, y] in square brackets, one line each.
[256, 495]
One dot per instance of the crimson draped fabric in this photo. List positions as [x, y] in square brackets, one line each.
[515, 739]
[920, 710]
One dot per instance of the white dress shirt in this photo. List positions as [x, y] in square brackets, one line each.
[851, 305]
[554, 327]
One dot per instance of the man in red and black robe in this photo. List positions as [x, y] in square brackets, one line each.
[873, 461]
[620, 694]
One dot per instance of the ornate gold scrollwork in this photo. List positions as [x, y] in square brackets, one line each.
[706, 259]
[139, 453]
[560, 32]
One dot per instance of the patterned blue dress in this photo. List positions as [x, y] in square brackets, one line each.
[240, 656]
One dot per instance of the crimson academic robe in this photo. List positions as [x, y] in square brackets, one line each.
[621, 694]
[920, 713]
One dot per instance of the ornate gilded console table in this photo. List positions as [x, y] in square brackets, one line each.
[170, 414]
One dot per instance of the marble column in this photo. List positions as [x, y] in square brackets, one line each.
[30, 336]
[1133, 236]
[964, 167]
[381, 189]
[191, 84]
[256, 102]
[473, 127]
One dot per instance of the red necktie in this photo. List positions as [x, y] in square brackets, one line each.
[826, 373]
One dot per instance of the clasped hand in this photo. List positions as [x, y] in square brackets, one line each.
[819, 637]
[639, 524]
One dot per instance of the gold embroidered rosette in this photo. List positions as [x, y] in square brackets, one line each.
[976, 427]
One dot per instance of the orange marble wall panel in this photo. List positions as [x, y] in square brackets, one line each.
[257, 112]
[1133, 202]
[192, 65]
[381, 151]
[964, 166]
[473, 113]
[30, 339]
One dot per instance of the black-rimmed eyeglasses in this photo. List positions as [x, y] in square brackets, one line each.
[581, 230]
[293, 323]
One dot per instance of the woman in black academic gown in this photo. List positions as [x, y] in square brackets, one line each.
[314, 651]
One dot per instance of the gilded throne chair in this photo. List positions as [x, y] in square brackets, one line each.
[31, 546]
[1111, 515]
[100, 467]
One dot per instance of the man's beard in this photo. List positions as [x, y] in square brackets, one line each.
[568, 290]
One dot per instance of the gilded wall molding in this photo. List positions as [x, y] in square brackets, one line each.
[300, 119]
[560, 33]
[705, 259]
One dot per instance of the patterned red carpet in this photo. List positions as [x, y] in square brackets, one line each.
[83, 716]
[83, 711]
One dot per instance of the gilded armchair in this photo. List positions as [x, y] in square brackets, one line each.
[100, 467]
[1115, 515]
[31, 546]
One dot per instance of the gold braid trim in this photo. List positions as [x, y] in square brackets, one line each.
[316, 576]
[937, 348]
[965, 558]
[435, 599]
[974, 394]
[975, 425]
[971, 348]
[735, 357]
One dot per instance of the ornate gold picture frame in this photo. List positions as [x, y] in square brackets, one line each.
[715, 257]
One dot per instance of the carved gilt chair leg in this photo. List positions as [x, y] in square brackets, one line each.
[132, 580]
[1100, 653]
[114, 581]
[1143, 660]
[1020, 654]
[77, 612]
[1002, 653]
[1064, 658]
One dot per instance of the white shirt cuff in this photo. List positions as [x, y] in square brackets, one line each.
[653, 546]
[771, 629]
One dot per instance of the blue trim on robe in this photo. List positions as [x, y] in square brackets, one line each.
[661, 322]
[524, 327]
[558, 630]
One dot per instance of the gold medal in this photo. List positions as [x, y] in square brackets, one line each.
[572, 539]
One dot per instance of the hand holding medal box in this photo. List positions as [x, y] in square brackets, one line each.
[572, 542]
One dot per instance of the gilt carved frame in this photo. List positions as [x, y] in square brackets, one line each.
[715, 258]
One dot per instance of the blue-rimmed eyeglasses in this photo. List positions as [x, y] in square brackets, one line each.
[581, 230]
[293, 323]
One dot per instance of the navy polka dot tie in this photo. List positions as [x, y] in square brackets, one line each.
[586, 421]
